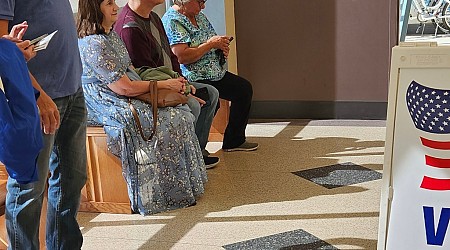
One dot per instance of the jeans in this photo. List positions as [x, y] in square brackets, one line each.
[64, 155]
[204, 115]
[240, 92]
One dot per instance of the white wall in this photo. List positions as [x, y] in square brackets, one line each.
[215, 11]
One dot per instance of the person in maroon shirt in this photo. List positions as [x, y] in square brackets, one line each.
[143, 33]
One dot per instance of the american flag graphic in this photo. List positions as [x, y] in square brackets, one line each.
[430, 111]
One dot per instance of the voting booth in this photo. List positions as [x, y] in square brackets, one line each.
[415, 203]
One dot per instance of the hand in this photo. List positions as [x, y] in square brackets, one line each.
[27, 49]
[19, 30]
[177, 84]
[225, 45]
[219, 42]
[24, 46]
[12, 39]
[49, 113]
[226, 51]
[201, 101]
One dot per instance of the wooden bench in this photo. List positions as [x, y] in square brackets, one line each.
[105, 189]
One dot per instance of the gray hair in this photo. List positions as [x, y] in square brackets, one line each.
[180, 2]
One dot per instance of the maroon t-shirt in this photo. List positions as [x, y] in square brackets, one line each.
[144, 44]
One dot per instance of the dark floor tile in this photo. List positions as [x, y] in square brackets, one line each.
[339, 175]
[292, 240]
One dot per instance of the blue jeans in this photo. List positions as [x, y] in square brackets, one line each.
[204, 115]
[64, 154]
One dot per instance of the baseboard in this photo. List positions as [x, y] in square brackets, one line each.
[105, 207]
[318, 110]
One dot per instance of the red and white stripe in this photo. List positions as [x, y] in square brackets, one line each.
[431, 183]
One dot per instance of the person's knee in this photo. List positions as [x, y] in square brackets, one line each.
[246, 89]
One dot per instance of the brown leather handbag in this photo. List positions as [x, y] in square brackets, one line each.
[164, 97]
[158, 98]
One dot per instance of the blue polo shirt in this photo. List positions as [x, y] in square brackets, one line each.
[57, 68]
[20, 130]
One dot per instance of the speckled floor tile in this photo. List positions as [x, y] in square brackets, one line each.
[298, 239]
[339, 175]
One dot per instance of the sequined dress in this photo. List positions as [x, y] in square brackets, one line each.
[162, 174]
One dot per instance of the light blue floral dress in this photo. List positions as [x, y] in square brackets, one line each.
[162, 174]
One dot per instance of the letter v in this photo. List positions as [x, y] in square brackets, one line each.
[436, 237]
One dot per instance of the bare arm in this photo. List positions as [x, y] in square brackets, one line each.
[187, 55]
[124, 86]
[47, 109]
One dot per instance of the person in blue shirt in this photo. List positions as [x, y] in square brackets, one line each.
[56, 73]
[19, 118]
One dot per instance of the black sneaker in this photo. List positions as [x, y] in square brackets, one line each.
[211, 161]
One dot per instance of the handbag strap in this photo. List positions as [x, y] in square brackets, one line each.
[153, 92]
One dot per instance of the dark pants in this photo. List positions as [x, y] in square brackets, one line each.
[239, 91]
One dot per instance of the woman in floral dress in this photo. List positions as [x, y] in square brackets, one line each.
[164, 173]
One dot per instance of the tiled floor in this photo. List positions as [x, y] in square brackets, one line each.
[311, 185]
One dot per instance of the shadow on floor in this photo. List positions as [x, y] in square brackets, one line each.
[264, 177]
